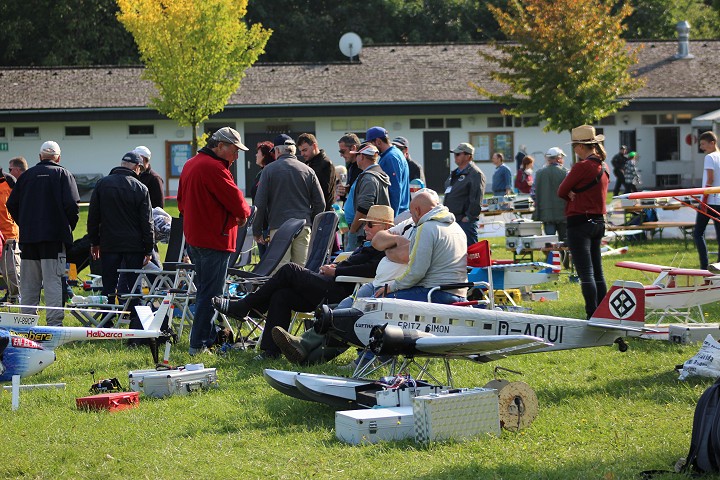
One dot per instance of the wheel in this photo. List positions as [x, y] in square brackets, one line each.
[622, 345]
[517, 402]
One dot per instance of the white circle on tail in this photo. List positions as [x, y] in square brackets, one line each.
[622, 303]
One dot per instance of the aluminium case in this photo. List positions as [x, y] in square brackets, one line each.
[163, 383]
[456, 415]
[523, 229]
[374, 425]
[693, 333]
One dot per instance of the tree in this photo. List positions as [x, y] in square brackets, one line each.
[566, 63]
[656, 19]
[195, 52]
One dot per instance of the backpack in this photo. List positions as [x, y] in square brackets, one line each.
[704, 455]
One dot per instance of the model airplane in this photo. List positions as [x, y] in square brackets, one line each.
[27, 348]
[684, 196]
[427, 330]
[675, 292]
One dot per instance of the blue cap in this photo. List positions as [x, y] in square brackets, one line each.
[284, 139]
[375, 132]
[132, 157]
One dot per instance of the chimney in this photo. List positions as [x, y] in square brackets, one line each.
[683, 29]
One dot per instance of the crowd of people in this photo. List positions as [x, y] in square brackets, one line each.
[400, 234]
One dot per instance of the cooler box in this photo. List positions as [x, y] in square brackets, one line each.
[456, 415]
[109, 401]
[374, 424]
[523, 229]
[163, 383]
[538, 241]
[693, 333]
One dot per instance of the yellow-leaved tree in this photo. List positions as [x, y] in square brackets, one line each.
[195, 52]
[565, 61]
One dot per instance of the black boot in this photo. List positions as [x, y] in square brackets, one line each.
[236, 308]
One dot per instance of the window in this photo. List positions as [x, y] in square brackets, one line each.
[453, 123]
[339, 125]
[496, 122]
[2, 132]
[141, 129]
[683, 118]
[20, 132]
[667, 143]
[533, 121]
[488, 143]
[649, 119]
[436, 123]
[608, 121]
[83, 131]
[417, 123]
[666, 119]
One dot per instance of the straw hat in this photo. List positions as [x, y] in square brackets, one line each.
[380, 214]
[585, 134]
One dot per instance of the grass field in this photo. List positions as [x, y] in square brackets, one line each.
[603, 415]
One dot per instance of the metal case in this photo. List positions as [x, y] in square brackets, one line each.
[163, 383]
[522, 229]
[456, 415]
[693, 333]
[535, 242]
[374, 425]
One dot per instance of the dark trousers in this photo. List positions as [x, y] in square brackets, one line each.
[701, 222]
[619, 181]
[584, 242]
[210, 272]
[292, 288]
[115, 285]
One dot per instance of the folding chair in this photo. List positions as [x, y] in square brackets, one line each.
[322, 237]
[243, 247]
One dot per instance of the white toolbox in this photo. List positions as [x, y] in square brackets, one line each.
[456, 415]
[522, 229]
[374, 425]
[693, 333]
[535, 242]
[513, 242]
[163, 383]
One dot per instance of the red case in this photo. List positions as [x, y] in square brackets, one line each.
[109, 401]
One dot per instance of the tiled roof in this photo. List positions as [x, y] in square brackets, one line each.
[404, 74]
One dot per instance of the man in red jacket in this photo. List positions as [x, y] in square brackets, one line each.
[212, 207]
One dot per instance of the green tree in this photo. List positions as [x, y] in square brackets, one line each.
[195, 52]
[566, 61]
[656, 19]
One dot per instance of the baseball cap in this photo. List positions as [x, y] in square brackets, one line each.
[50, 148]
[143, 151]
[368, 150]
[375, 132]
[464, 148]
[132, 157]
[229, 135]
[401, 142]
[555, 152]
[283, 139]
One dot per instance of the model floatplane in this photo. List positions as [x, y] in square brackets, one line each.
[27, 348]
[425, 330]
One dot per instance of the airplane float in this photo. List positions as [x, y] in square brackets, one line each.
[27, 348]
[427, 330]
[675, 292]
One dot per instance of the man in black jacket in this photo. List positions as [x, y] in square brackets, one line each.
[120, 227]
[44, 203]
[150, 178]
[316, 159]
[294, 288]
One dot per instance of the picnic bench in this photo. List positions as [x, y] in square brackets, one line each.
[685, 228]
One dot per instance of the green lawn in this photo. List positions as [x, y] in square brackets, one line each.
[603, 415]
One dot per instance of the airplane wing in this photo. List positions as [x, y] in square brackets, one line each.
[643, 267]
[670, 193]
[478, 345]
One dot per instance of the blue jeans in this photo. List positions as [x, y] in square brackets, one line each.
[366, 290]
[701, 222]
[584, 242]
[471, 231]
[210, 272]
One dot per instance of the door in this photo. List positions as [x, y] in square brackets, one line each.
[250, 167]
[436, 159]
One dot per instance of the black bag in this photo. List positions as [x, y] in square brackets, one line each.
[704, 455]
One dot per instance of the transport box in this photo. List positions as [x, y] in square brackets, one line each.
[109, 401]
[513, 242]
[503, 297]
[546, 294]
[692, 332]
[523, 229]
[403, 396]
[457, 414]
[536, 242]
[374, 425]
[163, 383]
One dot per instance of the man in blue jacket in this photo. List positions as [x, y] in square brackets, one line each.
[44, 203]
[393, 162]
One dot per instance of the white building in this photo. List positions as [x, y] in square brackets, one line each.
[421, 92]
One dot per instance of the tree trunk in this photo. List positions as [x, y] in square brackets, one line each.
[194, 126]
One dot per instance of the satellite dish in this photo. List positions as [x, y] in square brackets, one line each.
[350, 45]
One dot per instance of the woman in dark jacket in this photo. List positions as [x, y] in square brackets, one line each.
[263, 158]
[585, 190]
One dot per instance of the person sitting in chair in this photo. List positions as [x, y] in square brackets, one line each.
[294, 288]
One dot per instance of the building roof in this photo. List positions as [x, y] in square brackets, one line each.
[407, 74]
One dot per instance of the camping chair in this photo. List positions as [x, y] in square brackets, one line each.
[243, 248]
[322, 238]
[246, 282]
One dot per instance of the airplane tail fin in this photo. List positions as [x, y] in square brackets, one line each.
[554, 259]
[623, 307]
[152, 322]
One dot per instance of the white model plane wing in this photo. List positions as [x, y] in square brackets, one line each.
[479, 345]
